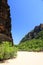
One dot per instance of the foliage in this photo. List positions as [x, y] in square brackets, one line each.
[32, 45]
[7, 51]
[39, 35]
[35, 44]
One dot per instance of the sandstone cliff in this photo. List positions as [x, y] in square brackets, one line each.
[5, 21]
[33, 33]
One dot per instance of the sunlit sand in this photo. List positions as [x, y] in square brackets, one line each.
[26, 58]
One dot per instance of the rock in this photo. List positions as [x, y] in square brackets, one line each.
[5, 21]
[33, 33]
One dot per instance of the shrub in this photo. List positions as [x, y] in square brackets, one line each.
[32, 45]
[1, 52]
[7, 51]
[35, 44]
[39, 35]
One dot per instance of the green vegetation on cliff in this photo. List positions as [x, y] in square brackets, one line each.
[35, 44]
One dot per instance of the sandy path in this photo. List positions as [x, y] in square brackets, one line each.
[26, 58]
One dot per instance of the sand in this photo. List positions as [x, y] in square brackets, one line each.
[26, 58]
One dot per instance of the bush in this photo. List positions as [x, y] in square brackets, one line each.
[1, 52]
[32, 45]
[7, 51]
[35, 44]
[39, 35]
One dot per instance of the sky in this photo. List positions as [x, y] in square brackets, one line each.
[25, 15]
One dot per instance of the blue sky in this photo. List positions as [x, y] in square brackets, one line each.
[25, 15]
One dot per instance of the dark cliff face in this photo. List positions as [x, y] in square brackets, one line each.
[5, 21]
[33, 33]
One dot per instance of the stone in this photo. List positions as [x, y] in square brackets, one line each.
[5, 21]
[33, 33]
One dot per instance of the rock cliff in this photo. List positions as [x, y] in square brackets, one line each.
[33, 33]
[5, 21]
